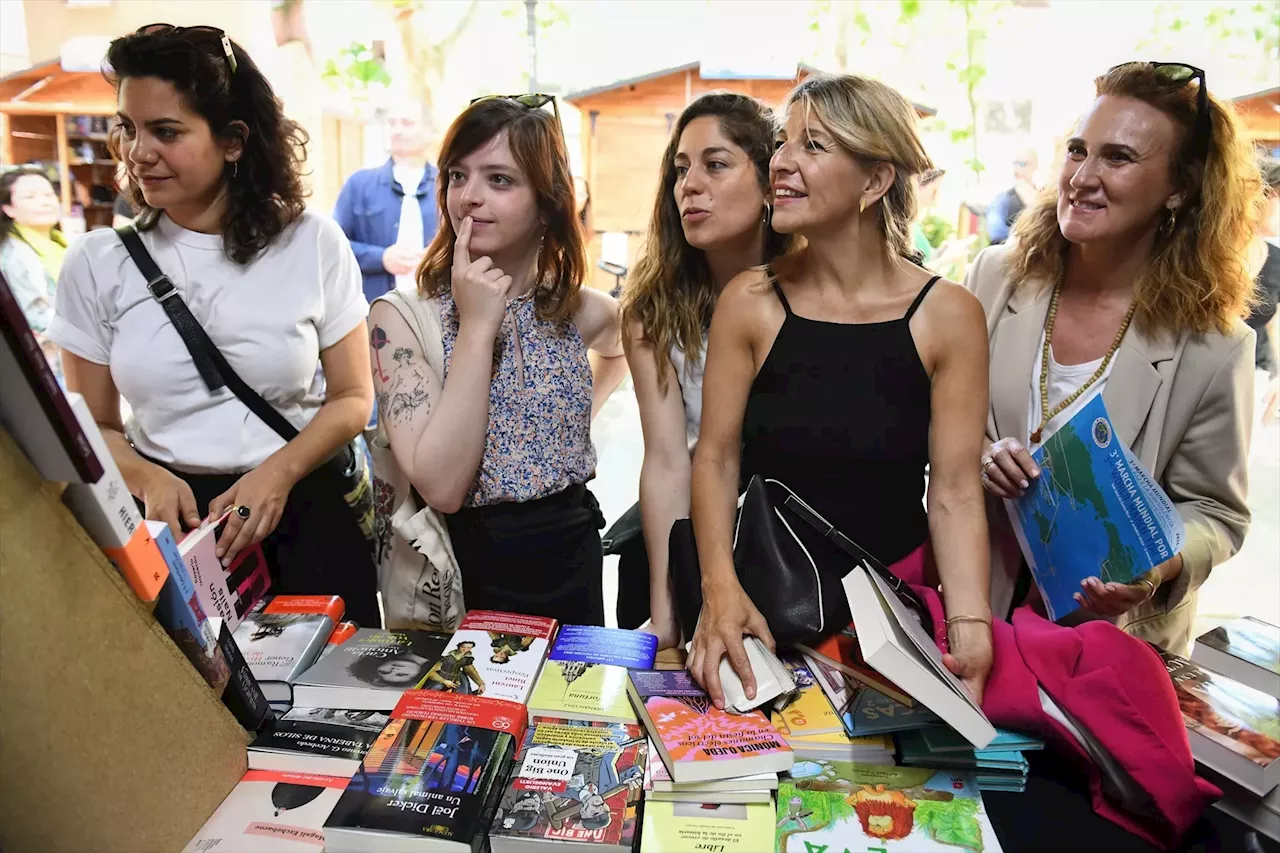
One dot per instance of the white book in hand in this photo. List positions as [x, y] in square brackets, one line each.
[773, 680]
[894, 644]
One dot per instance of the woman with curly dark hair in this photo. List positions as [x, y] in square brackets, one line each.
[215, 168]
[1129, 280]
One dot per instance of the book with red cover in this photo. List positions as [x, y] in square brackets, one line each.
[493, 654]
[284, 637]
[697, 741]
[435, 774]
[575, 783]
[841, 650]
[33, 407]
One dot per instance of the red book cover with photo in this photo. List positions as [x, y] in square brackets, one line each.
[493, 654]
[841, 650]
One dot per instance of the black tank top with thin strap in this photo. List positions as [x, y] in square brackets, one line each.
[840, 413]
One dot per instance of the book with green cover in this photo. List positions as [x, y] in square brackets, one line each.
[859, 807]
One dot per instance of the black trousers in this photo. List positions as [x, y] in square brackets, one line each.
[540, 557]
[316, 549]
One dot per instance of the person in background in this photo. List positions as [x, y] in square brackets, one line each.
[32, 249]
[710, 222]
[844, 370]
[1005, 207]
[501, 443]
[389, 212]
[1265, 265]
[1130, 281]
[216, 167]
[949, 251]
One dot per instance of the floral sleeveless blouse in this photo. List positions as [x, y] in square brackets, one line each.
[539, 436]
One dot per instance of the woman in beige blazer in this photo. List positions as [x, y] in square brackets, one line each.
[1131, 278]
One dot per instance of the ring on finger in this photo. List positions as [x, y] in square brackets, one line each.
[243, 512]
[987, 462]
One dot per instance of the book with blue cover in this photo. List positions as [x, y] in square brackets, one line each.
[946, 739]
[1093, 512]
[585, 676]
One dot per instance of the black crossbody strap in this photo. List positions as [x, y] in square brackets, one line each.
[214, 368]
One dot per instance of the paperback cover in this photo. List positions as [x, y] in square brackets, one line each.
[574, 782]
[492, 654]
[845, 806]
[178, 610]
[585, 676]
[318, 740]
[1246, 649]
[943, 739]
[279, 641]
[699, 742]
[837, 746]
[1234, 728]
[242, 695]
[435, 772]
[841, 650]
[864, 711]
[1094, 511]
[672, 827]
[370, 670]
[271, 812]
[229, 592]
[657, 779]
[107, 512]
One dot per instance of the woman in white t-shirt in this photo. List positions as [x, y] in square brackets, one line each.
[216, 165]
[710, 222]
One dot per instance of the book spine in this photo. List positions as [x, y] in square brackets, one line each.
[35, 369]
[243, 697]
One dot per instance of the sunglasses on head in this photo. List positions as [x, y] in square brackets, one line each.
[153, 29]
[1175, 75]
[530, 100]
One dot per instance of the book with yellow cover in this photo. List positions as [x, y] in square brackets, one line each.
[810, 712]
[585, 676]
[724, 828]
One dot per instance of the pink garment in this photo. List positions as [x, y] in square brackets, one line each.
[1111, 684]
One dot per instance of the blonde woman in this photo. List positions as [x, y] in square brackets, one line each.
[843, 371]
[1130, 282]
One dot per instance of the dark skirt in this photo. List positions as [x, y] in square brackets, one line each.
[316, 549]
[540, 557]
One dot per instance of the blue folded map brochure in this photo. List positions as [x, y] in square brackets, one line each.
[1093, 512]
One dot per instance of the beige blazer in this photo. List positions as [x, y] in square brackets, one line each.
[1184, 407]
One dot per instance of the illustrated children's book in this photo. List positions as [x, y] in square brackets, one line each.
[843, 806]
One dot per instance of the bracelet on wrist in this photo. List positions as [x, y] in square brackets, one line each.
[957, 619]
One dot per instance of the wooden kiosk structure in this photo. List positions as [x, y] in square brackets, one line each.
[59, 119]
[625, 128]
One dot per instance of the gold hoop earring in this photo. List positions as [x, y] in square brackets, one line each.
[1167, 228]
[235, 168]
[767, 214]
[862, 205]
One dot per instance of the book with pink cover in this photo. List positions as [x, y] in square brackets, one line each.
[698, 742]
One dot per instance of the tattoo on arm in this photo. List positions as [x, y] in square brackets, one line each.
[407, 390]
[378, 340]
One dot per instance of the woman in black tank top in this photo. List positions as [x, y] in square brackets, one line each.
[843, 371]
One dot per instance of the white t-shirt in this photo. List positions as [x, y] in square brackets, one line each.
[1064, 379]
[689, 375]
[410, 232]
[270, 318]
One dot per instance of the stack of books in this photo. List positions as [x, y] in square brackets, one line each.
[812, 727]
[999, 767]
[393, 739]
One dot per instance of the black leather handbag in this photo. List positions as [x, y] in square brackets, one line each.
[790, 561]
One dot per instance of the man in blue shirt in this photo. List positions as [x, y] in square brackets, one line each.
[389, 212]
[1004, 208]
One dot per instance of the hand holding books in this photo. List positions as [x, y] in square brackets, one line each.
[264, 491]
[727, 615]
